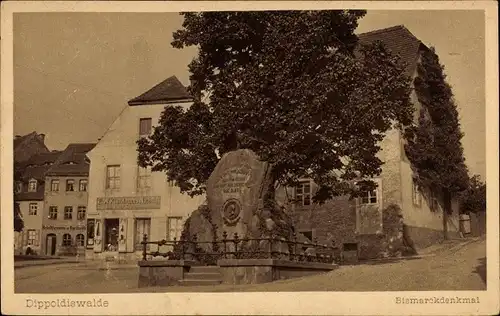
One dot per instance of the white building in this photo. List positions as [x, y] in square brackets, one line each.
[126, 201]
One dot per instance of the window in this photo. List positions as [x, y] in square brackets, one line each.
[32, 186]
[80, 240]
[54, 185]
[417, 196]
[66, 240]
[70, 185]
[144, 178]
[174, 228]
[19, 187]
[144, 126]
[33, 209]
[81, 213]
[113, 177]
[142, 226]
[32, 237]
[53, 212]
[68, 212]
[368, 197]
[83, 185]
[303, 193]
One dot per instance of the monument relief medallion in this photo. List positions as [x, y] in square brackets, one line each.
[231, 212]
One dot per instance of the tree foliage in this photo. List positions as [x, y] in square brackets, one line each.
[18, 219]
[293, 86]
[435, 148]
[473, 199]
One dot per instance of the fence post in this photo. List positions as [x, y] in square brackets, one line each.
[224, 241]
[144, 246]
[295, 246]
[316, 248]
[235, 244]
[271, 247]
[182, 244]
[195, 243]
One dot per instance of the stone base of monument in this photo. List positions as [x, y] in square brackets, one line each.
[227, 271]
[254, 271]
[163, 272]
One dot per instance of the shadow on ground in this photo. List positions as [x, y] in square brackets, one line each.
[481, 269]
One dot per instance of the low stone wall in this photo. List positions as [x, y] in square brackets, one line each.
[162, 273]
[254, 271]
[424, 237]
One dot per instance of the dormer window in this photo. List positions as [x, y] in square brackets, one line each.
[32, 185]
[70, 185]
[70, 163]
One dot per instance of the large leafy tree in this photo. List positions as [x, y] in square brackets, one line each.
[293, 86]
[434, 147]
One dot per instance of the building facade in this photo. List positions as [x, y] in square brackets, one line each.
[29, 194]
[126, 201]
[65, 203]
[369, 224]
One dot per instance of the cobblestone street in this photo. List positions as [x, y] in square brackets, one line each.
[458, 267]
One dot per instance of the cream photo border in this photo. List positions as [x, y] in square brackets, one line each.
[258, 303]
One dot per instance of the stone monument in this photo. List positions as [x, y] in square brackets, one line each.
[240, 199]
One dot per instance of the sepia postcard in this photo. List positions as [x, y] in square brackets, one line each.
[251, 157]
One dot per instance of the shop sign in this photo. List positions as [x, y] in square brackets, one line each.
[52, 227]
[128, 203]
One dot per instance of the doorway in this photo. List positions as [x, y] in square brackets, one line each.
[111, 226]
[51, 242]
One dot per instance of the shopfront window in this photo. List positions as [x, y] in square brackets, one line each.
[66, 240]
[80, 240]
[142, 226]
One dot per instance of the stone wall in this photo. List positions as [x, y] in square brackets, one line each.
[255, 271]
[335, 223]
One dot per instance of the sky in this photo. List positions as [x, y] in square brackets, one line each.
[75, 72]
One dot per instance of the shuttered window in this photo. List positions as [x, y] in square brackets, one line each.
[142, 226]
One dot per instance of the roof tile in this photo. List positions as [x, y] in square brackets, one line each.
[72, 162]
[399, 40]
[171, 89]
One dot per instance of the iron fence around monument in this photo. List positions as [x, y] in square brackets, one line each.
[208, 252]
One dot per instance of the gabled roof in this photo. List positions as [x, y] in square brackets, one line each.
[169, 90]
[400, 41]
[35, 168]
[73, 161]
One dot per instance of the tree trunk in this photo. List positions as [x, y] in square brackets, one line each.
[446, 211]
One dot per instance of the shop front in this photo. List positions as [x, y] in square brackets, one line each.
[120, 224]
[63, 240]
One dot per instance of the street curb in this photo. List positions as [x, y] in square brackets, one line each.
[34, 264]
